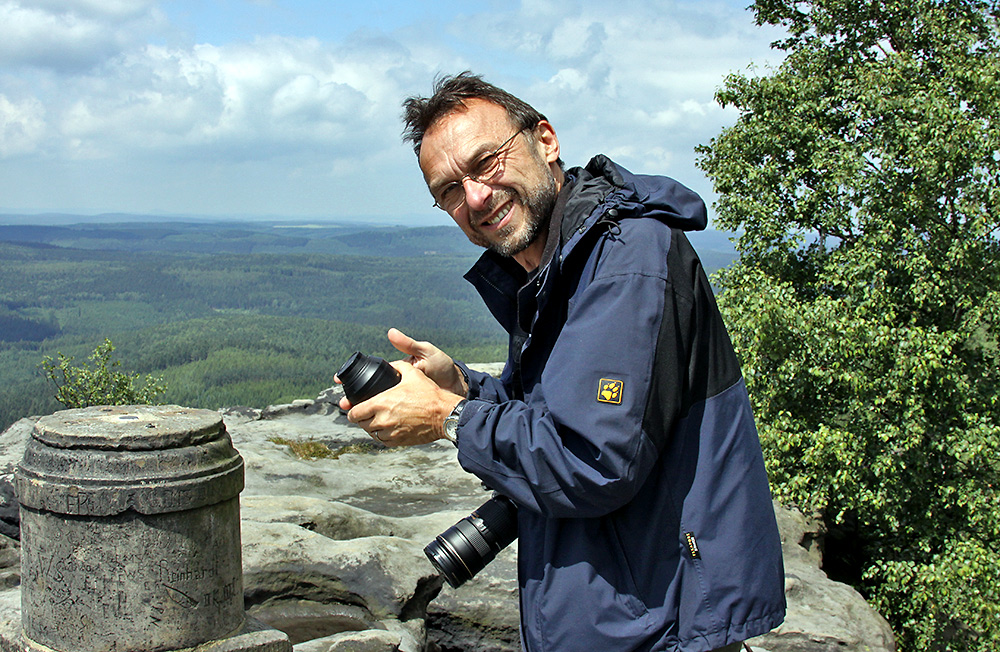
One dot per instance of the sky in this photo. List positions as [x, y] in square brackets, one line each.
[291, 109]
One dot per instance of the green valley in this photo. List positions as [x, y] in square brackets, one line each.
[231, 313]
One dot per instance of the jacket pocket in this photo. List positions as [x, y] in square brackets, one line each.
[628, 591]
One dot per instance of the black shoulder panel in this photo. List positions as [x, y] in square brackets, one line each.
[694, 357]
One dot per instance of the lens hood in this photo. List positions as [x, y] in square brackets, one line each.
[364, 376]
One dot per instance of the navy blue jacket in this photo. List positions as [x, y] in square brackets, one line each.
[622, 429]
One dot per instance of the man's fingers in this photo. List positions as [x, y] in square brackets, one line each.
[406, 344]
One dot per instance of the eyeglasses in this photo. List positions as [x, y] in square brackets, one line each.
[485, 170]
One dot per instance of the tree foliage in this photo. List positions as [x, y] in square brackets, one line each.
[863, 174]
[99, 382]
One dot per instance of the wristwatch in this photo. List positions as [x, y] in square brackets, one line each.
[451, 422]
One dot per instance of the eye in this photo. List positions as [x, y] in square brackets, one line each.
[486, 167]
[452, 195]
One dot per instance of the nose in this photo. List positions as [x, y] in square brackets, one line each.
[477, 194]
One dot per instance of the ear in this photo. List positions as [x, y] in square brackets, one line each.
[548, 142]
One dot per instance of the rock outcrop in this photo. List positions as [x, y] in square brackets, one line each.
[333, 528]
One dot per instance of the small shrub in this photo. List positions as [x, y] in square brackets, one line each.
[99, 382]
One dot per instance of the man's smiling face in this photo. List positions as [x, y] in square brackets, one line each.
[509, 211]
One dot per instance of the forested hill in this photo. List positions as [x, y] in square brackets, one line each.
[243, 238]
[234, 313]
[139, 233]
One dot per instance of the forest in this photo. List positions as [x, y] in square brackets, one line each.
[233, 313]
[225, 313]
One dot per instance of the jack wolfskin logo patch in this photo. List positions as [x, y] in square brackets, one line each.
[610, 391]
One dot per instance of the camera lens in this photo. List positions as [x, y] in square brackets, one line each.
[465, 548]
[364, 376]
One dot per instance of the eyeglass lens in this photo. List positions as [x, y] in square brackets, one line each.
[485, 170]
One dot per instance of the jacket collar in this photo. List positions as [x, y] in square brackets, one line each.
[591, 196]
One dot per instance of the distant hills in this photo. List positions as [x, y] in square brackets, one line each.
[138, 233]
[244, 238]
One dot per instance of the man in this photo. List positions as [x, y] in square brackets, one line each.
[621, 425]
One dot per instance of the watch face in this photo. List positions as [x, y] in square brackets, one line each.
[451, 427]
[451, 421]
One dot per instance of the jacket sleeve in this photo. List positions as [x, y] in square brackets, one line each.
[482, 385]
[576, 447]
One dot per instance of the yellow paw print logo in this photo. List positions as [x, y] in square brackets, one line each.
[610, 391]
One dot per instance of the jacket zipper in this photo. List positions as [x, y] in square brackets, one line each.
[692, 544]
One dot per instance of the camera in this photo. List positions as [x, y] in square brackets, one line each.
[364, 376]
[465, 548]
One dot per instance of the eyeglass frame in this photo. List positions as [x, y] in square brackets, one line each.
[479, 178]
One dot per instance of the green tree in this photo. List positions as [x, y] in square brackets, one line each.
[99, 383]
[863, 175]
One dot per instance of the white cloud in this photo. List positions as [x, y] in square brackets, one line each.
[111, 9]
[299, 125]
[271, 94]
[21, 126]
[69, 35]
[569, 79]
[635, 80]
[576, 37]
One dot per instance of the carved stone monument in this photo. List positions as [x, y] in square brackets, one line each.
[130, 538]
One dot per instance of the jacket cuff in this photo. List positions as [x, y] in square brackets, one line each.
[470, 411]
[476, 381]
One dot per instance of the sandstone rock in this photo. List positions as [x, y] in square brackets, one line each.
[372, 640]
[9, 553]
[822, 615]
[12, 443]
[10, 616]
[9, 517]
[282, 561]
[332, 546]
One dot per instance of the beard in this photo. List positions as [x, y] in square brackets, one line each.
[536, 205]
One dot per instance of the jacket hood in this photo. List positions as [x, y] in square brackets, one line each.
[657, 197]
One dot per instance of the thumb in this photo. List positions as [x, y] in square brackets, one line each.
[411, 347]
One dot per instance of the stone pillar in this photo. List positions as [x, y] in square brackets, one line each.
[130, 533]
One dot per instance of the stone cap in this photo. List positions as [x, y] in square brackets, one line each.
[102, 461]
[128, 427]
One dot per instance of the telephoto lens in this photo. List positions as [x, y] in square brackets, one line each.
[465, 548]
[364, 376]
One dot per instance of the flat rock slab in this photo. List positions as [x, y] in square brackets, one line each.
[334, 541]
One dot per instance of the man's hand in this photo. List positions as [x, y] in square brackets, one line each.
[408, 414]
[435, 363]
